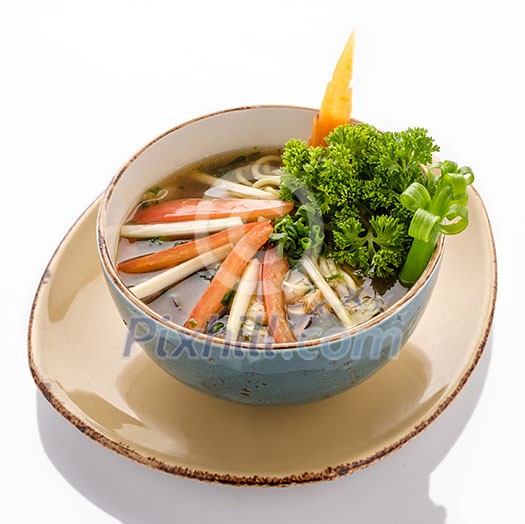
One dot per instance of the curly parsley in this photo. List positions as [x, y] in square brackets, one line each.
[353, 188]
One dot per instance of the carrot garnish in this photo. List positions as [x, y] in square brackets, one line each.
[274, 270]
[206, 209]
[231, 270]
[337, 102]
[175, 255]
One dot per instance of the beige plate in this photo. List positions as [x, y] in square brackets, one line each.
[76, 344]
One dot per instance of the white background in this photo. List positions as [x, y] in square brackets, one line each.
[85, 84]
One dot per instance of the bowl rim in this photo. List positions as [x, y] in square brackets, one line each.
[111, 271]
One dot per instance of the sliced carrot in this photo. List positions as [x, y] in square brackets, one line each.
[227, 276]
[175, 255]
[199, 209]
[274, 270]
[337, 102]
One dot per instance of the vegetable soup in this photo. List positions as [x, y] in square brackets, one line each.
[182, 232]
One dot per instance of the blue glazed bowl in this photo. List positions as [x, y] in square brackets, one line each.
[272, 375]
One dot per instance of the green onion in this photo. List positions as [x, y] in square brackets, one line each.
[445, 212]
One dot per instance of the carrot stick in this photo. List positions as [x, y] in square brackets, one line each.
[336, 107]
[274, 270]
[175, 255]
[227, 276]
[199, 209]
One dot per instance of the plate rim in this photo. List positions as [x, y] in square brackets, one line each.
[326, 474]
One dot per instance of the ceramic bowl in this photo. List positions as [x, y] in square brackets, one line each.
[280, 374]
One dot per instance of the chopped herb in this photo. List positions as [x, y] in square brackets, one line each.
[218, 326]
[304, 232]
[192, 323]
[155, 190]
[237, 160]
[148, 199]
[227, 298]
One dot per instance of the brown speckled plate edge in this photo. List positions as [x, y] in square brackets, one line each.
[329, 473]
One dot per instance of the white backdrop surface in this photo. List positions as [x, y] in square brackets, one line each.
[85, 84]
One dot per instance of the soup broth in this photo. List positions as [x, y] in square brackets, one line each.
[308, 312]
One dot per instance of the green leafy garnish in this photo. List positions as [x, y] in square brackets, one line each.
[155, 190]
[236, 160]
[380, 247]
[152, 196]
[353, 188]
[439, 209]
[227, 298]
[216, 327]
[301, 233]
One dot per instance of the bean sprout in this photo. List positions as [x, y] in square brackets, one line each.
[337, 277]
